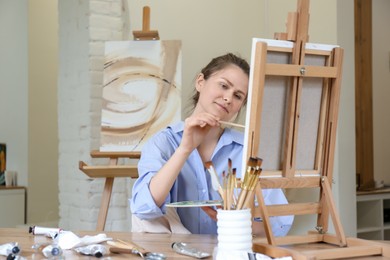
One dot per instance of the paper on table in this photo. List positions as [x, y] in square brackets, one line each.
[69, 240]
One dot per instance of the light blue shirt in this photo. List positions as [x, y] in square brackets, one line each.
[193, 181]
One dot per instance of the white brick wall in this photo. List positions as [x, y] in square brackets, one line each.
[83, 28]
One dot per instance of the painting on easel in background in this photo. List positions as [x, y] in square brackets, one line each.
[3, 157]
[141, 92]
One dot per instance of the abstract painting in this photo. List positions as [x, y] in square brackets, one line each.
[141, 92]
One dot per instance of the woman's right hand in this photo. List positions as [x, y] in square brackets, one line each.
[196, 127]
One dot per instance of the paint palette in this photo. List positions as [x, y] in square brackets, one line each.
[194, 203]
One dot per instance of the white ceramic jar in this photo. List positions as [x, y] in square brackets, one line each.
[234, 230]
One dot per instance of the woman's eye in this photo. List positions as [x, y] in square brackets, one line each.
[239, 97]
[224, 86]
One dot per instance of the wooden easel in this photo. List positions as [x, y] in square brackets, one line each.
[332, 246]
[113, 170]
[146, 33]
[110, 172]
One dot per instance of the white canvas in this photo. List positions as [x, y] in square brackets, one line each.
[274, 109]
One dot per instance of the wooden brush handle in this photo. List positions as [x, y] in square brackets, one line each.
[126, 247]
[121, 250]
[241, 199]
[249, 199]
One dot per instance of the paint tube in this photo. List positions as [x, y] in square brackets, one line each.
[9, 249]
[49, 250]
[185, 249]
[96, 250]
[49, 232]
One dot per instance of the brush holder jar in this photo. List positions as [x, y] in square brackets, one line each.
[234, 228]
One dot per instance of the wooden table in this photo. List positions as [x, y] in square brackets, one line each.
[154, 242]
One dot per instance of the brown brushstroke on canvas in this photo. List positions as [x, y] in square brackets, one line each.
[139, 97]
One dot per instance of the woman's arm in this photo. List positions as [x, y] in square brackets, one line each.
[162, 182]
[196, 128]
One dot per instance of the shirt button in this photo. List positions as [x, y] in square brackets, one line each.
[203, 190]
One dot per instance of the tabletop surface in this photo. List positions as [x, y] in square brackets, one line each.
[160, 243]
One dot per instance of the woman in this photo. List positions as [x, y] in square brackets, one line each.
[172, 162]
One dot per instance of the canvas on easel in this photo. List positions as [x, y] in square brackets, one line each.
[294, 98]
[141, 91]
[141, 94]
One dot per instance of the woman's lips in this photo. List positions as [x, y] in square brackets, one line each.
[223, 108]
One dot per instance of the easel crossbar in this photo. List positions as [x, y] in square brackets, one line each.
[339, 253]
[285, 183]
[319, 251]
[290, 70]
[297, 208]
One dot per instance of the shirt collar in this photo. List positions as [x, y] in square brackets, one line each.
[178, 127]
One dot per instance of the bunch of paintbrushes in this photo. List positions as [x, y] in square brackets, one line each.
[229, 184]
[251, 178]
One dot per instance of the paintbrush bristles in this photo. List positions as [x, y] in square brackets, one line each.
[214, 178]
[251, 166]
[229, 184]
[250, 180]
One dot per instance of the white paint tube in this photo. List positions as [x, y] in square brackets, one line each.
[52, 251]
[11, 251]
[96, 250]
[185, 249]
[9, 248]
[49, 250]
[49, 232]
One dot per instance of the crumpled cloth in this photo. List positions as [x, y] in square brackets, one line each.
[242, 255]
[69, 240]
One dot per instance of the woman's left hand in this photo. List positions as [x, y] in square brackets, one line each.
[211, 212]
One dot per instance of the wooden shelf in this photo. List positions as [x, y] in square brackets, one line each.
[374, 191]
[370, 214]
[109, 171]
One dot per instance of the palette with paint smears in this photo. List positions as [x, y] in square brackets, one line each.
[194, 203]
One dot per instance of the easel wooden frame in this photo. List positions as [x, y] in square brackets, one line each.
[113, 170]
[146, 33]
[337, 246]
[110, 172]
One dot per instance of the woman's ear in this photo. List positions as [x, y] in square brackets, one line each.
[199, 81]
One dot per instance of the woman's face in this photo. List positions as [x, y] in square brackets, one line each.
[223, 93]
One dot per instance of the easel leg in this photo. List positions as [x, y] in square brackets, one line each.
[264, 215]
[105, 203]
[332, 209]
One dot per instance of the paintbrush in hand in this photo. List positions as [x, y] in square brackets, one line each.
[231, 124]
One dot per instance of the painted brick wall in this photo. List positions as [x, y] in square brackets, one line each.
[84, 26]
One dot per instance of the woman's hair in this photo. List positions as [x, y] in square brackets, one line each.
[220, 63]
